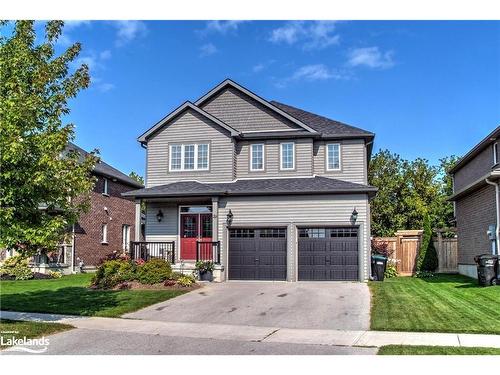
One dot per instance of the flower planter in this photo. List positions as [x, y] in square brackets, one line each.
[206, 276]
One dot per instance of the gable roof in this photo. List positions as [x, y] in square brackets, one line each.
[327, 127]
[268, 186]
[184, 107]
[104, 169]
[254, 96]
[487, 141]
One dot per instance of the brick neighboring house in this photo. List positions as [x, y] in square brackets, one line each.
[105, 228]
[476, 196]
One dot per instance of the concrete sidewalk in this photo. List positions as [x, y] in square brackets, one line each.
[246, 333]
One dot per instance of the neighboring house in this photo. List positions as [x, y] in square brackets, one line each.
[266, 190]
[476, 197]
[104, 229]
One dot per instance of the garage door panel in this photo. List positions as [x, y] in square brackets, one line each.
[328, 253]
[259, 256]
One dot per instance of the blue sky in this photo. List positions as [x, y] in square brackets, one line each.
[427, 89]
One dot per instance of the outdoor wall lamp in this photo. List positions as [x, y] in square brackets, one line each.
[159, 216]
[229, 218]
[354, 216]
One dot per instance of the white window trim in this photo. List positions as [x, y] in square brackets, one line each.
[126, 237]
[104, 233]
[183, 146]
[495, 153]
[263, 157]
[105, 187]
[281, 156]
[327, 156]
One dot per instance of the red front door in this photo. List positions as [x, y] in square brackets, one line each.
[194, 227]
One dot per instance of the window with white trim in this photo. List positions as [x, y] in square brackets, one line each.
[287, 156]
[104, 233]
[189, 157]
[333, 156]
[125, 237]
[495, 154]
[257, 157]
[105, 186]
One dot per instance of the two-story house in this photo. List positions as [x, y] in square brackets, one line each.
[266, 190]
[476, 196]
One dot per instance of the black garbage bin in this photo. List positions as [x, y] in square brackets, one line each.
[486, 269]
[379, 263]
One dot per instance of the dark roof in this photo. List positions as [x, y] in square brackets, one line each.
[323, 125]
[490, 138]
[276, 186]
[104, 169]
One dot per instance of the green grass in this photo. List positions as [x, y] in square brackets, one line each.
[435, 350]
[70, 295]
[14, 329]
[444, 303]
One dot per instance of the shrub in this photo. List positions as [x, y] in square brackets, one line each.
[170, 282]
[55, 274]
[175, 276]
[114, 256]
[390, 271]
[113, 272]
[381, 248]
[154, 271]
[424, 274]
[16, 267]
[427, 255]
[202, 266]
[186, 280]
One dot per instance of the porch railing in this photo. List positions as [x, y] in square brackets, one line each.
[208, 250]
[148, 250]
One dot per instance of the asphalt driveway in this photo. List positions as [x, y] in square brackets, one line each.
[308, 305]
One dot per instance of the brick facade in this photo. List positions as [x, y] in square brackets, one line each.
[120, 211]
[475, 213]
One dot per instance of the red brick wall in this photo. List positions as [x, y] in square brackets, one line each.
[88, 246]
[475, 213]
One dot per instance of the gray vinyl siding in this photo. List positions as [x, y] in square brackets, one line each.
[190, 127]
[165, 230]
[352, 160]
[303, 159]
[244, 113]
[290, 211]
[476, 168]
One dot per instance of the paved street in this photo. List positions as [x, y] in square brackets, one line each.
[318, 305]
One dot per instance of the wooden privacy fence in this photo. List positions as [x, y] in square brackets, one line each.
[404, 247]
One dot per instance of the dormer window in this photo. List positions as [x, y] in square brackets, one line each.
[495, 154]
[105, 187]
[189, 157]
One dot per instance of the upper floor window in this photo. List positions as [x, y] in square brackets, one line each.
[257, 157]
[287, 156]
[189, 157]
[496, 160]
[333, 157]
[105, 187]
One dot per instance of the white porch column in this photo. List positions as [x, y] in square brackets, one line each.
[137, 231]
[215, 218]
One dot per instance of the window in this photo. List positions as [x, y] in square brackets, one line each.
[495, 154]
[104, 233]
[189, 157]
[257, 157]
[242, 233]
[333, 157]
[312, 232]
[273, 233]
[343, 232]
[125, 237]
[287, 156]
[105, 187]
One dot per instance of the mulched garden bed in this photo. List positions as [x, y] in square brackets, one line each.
[134, 285]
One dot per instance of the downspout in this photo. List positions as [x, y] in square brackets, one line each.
[497, 230]
[73, 249]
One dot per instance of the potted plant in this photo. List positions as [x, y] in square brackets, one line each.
[205, 270]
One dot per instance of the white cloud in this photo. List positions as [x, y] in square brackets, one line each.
[257, 68]
[129, 30]
[105, 87]
[222, 27]
[105, 55]
[370, 57]
[310, 34]
[91, 61]
[207, 49]
[73, 24]
[311, 73]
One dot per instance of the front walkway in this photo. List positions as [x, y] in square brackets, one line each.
[123, 329]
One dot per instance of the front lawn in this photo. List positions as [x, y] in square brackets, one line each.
[70, 295]
[435, 350]
[10, 329]
[444, 303]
